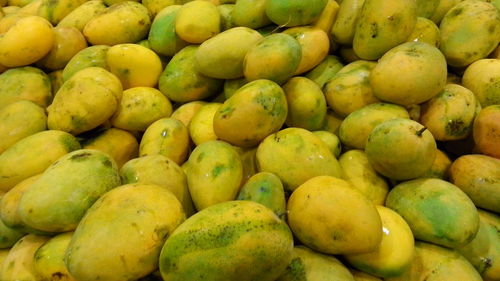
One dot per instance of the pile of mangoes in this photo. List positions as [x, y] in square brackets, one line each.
[250, 140]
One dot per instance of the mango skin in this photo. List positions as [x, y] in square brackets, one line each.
[201, 128]
[222, 56]
[331, 140]
[349, 89]
[482, 78]
[19, 263]
[309, 265]
[55, 11]
[383, 25]
[296, 155]
[324, 71]
[437, 264]
[425, 31]
[469, 32]
[214, 174]
[255, 111]
[255, 241]
[276, 57]
[126, 22]
[74, 182]
[314, 43]
[67, 42]
[168, 137]
[19, 120]
[440, 169]
[10, 203]
[185, 112]
[424, 75]
[384, 152]
[266, 189]
[161, 171]
[181, 82]
[479, 177]
[119, 144]
[450, 114]
[306, 104]
[88, 57]
[433, 208]
[9, 236]
[194, 31]
[294, 12]
[319, 216]
[133, 221]
[33, 155]
[162, 36]
[250, 13]
[81, 15]
[356, 170]
[486, 131]
[49, 259]
[25, 83]
[70, 113]
[344, 27]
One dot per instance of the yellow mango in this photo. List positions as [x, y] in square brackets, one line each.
[10, 202]
[70, 113]
[161, 171]
[442, 8]
[33, 155]
[395, 252]
[479, 177]
[81, 15]
[68, 41]
[306, 104]
[9, 235]
[132, 222]
[324, 71]
[56, 80]
[55, 11]
[320, 215]
[214, 174]
[185, 112]
[156, 6]
[314, 43]
[139, 108]
[440, 167]
[9, 20]
[426, 8]
[162, 36]
[197, 21]
[125, 22]
[25, 83]
[250, 13]
[482, 78]
[311, 265]
[49, 259]
[295, 155]
[486, 130]
[255, 111]
[383, 25]
[134, 65]
[19, 263]
[425, 31]
[88, 57]
[345, 25]
[201, 128]
[294, 12]
[226, 21]
[349, 89]
[328, 16]
[119, 144]
[247, 156]
[19, 120]
[331, 140]
[32, 8]
[168, 137]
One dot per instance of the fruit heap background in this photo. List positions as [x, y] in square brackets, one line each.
[270, 140]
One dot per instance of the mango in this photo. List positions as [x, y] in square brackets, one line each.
[180, 81]
[296, 155]
[68, 41]
[425, 31]
[479, 177]
[266, 189]
[236, 234]
[450, 114]
[226, 14]
[331, 140]
[442, 8]
[314, 44]
[276, 58]
[294, 12]
[248, 160]
[358, 125]
[93, 56]
[440, 168]
[434, 209]
[9, 236]
[70, 113]
[469, 32]
[162, 36]
[19, 263]
[306, 104]
[74, 183]
[126, 22]
[25, 83]
[10, 203]
[197, 21]
[324, 71]
[168, 137]
[133, 221]
[222, 56]
[349, 89]
[320, 214]
[55, 11]
[309, 265]
[383, 25]
[255, 111]
[486, 130]
[213, 174]
[33, 155]
[155, 6]
[482, 78]
[347, 18]
[426, 8]
[250, 13]
[119, 144]
[49, 259]
[82, 14]
[421, 71]
[328, 16]
[19, 120]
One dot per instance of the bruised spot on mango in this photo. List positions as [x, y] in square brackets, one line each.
[219, 168]
[80, 156]
[297, 269]
[456, 127]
